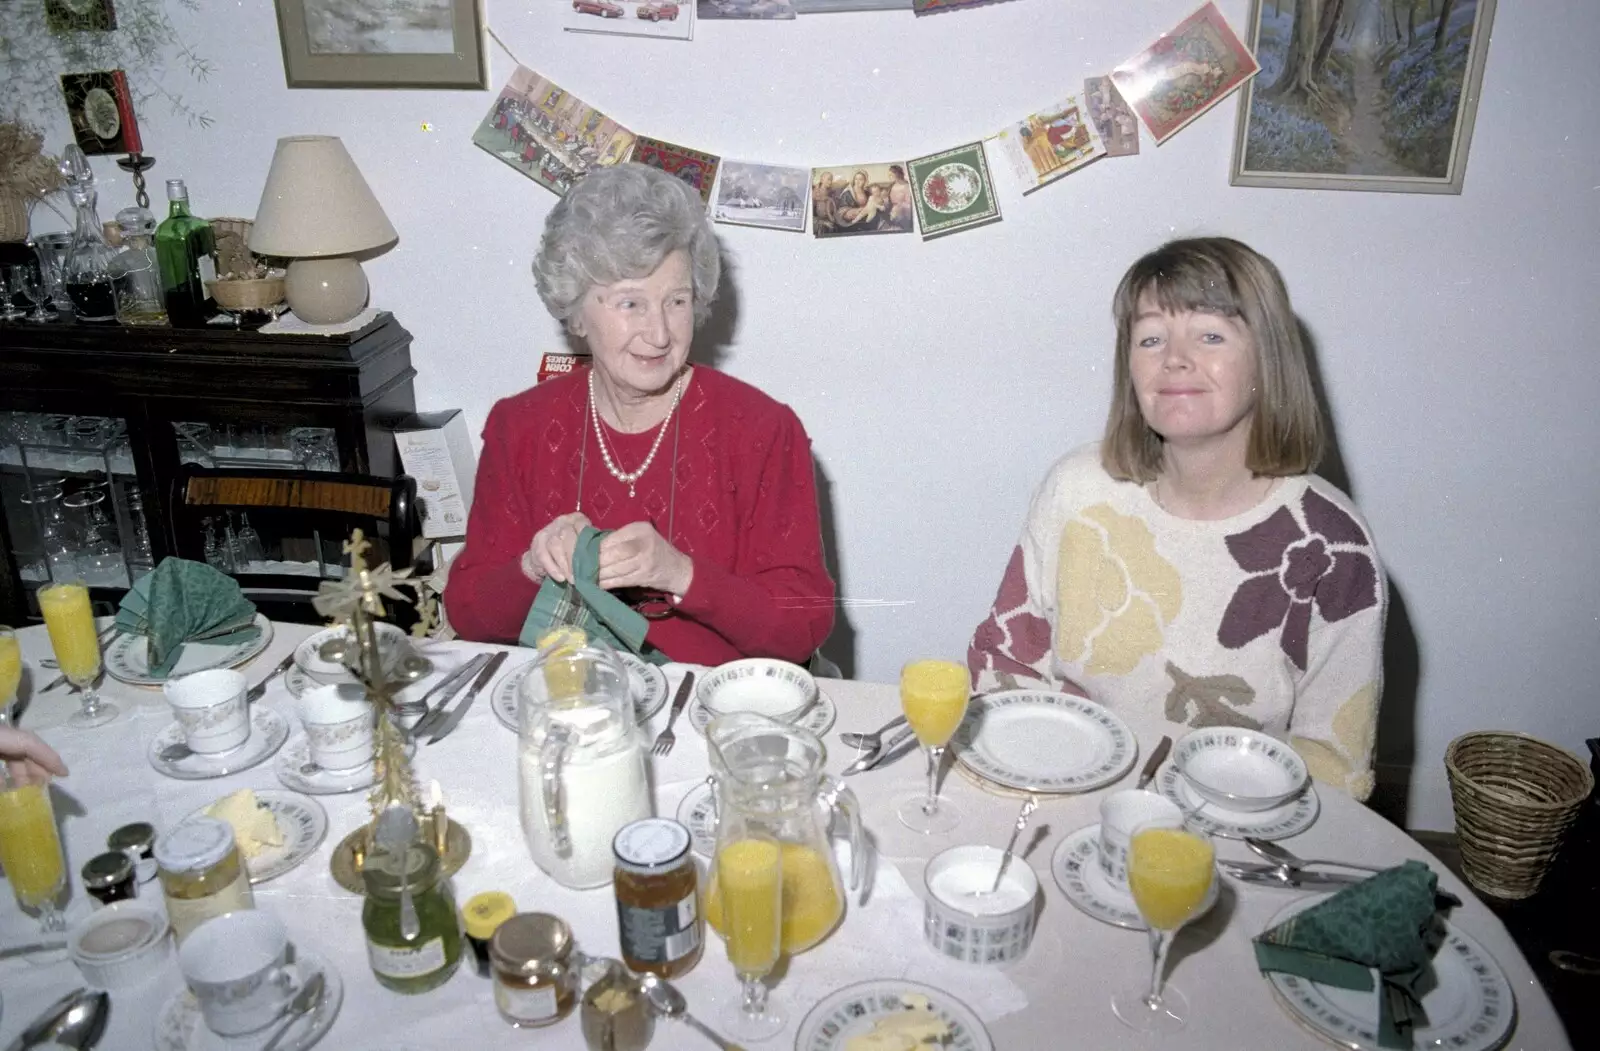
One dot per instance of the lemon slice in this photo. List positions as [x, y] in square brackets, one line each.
[563, 678]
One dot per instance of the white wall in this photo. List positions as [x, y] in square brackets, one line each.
[939, 380]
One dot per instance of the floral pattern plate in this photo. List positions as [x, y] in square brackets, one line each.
[853, 1010]
[127, 656]
[697, 812]
[296, 770]
[1280, 822]
[268, 731]
[180, 1027]
[1039, 741]
[304, 825]
[1470, 1004]
[818, 718]
[646, 682]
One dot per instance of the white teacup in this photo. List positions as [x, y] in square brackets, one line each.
[339, 725]
[237, 965]
[1120, 814]
[211, 708]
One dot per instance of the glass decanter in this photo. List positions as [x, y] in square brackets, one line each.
[135, 272]
[87, 272]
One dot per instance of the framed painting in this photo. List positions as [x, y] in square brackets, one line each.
[1374, 95]
[383, 43]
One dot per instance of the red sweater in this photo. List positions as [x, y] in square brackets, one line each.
[745, 512]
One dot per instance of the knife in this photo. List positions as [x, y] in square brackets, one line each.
[260, 688]
[1153, 764]
[454, 718]
[445, 690]
[1277, 877]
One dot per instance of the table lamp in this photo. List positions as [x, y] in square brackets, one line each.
[317, 211]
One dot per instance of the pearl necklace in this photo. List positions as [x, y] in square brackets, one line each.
[631, 478]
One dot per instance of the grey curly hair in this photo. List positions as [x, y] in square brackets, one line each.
[620, 222]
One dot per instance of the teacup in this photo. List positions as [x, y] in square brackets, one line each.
[210, 707]
[237, 965]
[339, 725]
[1120, 814]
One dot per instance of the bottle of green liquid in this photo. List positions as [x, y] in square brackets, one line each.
[186, 253]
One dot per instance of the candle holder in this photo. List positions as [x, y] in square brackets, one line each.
[351, 852]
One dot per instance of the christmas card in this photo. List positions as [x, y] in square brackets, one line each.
[861, 199]
[693, 167]
[1047, 145]
[668, 19]
[1185, 73]
[1113, 119]
[548, 134]
[768, 195]
[953, 191]
[745, 8]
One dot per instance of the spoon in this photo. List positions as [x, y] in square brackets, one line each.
[1283, 856]
[666, 999]
[76, 1020]
[308, 999]
[1028, 807]
[873, 741]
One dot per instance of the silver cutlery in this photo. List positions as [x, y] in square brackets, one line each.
[1153, 764]
[448, 723]
[1282, 856]
[881, 756]
[76, 1020]
[445, 691]
[259, 689]
[668, 1001]
[1028, 807]
[1279, 876]
[666, 738]
[872, 741]
[307, 1000]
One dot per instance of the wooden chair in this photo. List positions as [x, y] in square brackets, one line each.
[303, 519]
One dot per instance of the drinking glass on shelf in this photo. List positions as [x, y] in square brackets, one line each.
[1172, 873]
[933, 695]
[52, 249]
[10, 672]
[8, 306]
[28, 281]
[250, 546]
[70, 620]
[30, 850]
[749, 864]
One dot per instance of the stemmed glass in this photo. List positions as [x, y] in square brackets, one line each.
[30, 849]
[70, 620]
[933, 694]
[750, 889]
[10, 672]
[1172, 873]
[29, 282]
[8, 306]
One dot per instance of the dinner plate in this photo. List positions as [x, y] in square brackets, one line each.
[855, 1009]
[647, 684]
[299, 682]
[1470, 1004]
[304, 825]
[697, 812]
[1076, 868]
[268, 731]
[296, 770]
[1280, 822]
[308, 654]
[818, 718]
[1039, 741]
[180, 1026]
[127, 657]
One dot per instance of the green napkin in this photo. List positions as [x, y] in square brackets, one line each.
[182, 601]
[1390, 923]
[582, 602]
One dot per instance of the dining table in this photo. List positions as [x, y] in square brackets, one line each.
[1057, 996]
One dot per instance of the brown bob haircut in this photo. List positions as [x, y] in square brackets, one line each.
[1218, 275]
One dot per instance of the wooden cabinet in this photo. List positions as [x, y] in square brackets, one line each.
[95, 421]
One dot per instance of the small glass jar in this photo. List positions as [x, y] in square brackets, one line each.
[657, 891]
[615, 1015]
[483, 914]
[138, 841]
[202, 874]
[410, 965]
[536, 969]
[108, 877]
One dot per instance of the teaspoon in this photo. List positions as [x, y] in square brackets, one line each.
[665, 998]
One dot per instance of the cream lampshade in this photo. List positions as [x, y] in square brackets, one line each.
[318, 211]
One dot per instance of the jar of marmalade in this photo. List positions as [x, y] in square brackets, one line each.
[658, 906]
[536, 969]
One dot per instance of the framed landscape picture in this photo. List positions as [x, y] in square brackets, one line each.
[383, 43]
[1362, 94]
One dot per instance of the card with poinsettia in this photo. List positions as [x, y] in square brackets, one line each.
[953, 191]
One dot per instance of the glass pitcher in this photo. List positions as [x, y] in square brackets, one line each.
[768, 777]
[581, 762]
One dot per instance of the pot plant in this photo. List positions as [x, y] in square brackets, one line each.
[27, 175]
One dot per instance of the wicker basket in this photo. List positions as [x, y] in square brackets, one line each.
[1515, 797]
[253, 294]
[13, 217]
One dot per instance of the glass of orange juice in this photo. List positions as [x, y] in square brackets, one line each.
[70, 620]
[933, 695]
[1172, 873]
[10, 672]
[749, 875]
[30, 849]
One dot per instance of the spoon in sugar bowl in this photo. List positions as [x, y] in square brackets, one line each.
[1028, 807]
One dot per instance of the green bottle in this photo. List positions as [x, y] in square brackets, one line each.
[186, 253]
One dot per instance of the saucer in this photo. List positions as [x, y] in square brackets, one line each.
[697, 812]
[1076, 868]
[1280, 822]
[127, 659]
[268, 730]
[295, 769]
[303, 824]
[180, 1027]
[647, 685]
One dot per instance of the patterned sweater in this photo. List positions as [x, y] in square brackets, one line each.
[1271, 619]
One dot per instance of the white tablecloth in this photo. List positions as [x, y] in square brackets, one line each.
[1057, 997]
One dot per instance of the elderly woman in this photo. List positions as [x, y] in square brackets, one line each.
[706, 483]
[1190, 563]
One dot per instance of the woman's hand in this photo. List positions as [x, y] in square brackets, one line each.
[636, 556]
[550, 553]
[28, 759]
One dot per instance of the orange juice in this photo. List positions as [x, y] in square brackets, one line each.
[30, 849]
[933, 694]
[812, 905]
[10, 667]
[1170, 873]
[70, 620]
[750, 874]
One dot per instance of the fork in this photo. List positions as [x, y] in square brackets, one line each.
[666, 738]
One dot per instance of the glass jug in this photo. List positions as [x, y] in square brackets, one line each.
[769, 780]
[581, 763]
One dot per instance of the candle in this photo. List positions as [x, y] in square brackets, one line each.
[441, 822]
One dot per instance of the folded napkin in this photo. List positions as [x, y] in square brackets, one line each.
[1389, 923]
[583, 603]
[182, 601]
